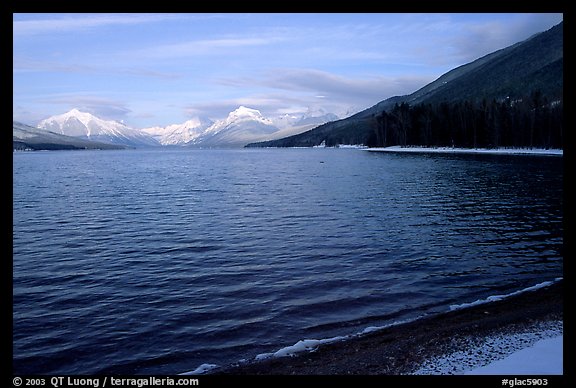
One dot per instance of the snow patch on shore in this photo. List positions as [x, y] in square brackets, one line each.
[538, 350]
[542, 358]
[450, 150]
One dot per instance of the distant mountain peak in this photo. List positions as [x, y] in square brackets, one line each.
[29, 138]
[179, 134]
[84, 117]
[85, 125]
[242, 110]
[193, 122]
[243, 113]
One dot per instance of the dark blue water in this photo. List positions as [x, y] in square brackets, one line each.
[157, 261]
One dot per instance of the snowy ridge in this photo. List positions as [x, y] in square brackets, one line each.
[179, 134]
[64, 123]
[85, 125]
[246, 114]
[240, 127]
[310, 345]
[311, 118]
[285, 120]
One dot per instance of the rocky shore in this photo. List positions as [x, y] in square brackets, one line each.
[404, 348]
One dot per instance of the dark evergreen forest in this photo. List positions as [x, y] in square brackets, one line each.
[531, 122]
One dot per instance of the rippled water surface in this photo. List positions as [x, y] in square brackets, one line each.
[157, 261]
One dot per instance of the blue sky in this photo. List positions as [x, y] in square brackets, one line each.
[161, 69]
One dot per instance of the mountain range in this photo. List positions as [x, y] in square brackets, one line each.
[25, 137]
[86, 126]
[534, 65]
[241, 126]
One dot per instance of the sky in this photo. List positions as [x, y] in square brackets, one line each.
[160, 69]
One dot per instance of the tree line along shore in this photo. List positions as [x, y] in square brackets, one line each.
[532, 122]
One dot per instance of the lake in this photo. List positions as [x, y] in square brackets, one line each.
[156, 261]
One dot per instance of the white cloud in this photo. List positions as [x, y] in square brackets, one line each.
[30, 65]
[224, 46]
[71, 23]
[266, 103]
[105, 108]
[334, 87]
[297, 90]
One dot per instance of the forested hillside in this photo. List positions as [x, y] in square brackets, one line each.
[510, 98]
[529, 122]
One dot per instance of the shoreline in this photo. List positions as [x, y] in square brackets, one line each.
[485, 151]
[401, 349]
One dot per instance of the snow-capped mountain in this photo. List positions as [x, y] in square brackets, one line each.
[317, 117]
[310, 117]
[179, 134]
[242, 126]
[25, 137]
[87, 126]
[286, 120]
[239, 128]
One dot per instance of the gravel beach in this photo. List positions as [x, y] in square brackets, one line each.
[407, 348]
